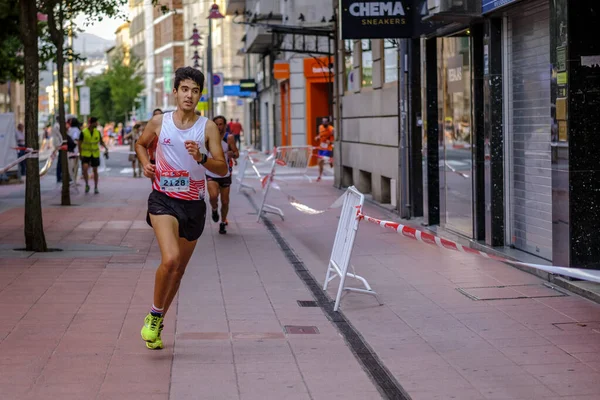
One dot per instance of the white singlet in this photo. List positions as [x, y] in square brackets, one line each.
[225, 150]
[177, 174]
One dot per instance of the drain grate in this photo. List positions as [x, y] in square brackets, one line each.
[300, 330]
[385, 381]
[307, 303]
[511, 292]
[585, 326]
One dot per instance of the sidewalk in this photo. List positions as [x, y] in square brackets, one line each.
[437, 342]
[72, 318]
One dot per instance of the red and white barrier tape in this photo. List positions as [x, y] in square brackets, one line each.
[30, 153]
[424, 237]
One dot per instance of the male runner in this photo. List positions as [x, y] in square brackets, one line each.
[91, 138]
[176, 207]
[325, 140]
[222, 184]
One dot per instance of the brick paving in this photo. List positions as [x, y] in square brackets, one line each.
[72, 318]
[439, 343]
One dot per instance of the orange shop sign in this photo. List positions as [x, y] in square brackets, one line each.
[281, 70]
[320, 67]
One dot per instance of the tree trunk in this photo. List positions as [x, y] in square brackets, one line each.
[35, 239]
[56, 28]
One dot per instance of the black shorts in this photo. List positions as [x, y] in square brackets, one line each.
[191, 214]
[223, 182]
[93, 161]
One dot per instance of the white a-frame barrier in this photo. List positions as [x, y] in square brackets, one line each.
[342, 248]
[296, 157]
[245, 160]
[266, 185]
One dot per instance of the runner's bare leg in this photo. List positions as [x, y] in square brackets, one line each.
[224, 203]
[166, 229]
[186, 249]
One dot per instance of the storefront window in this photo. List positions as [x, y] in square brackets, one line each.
[367, 63]
[348, 62]
[390, 58]
[455, 79]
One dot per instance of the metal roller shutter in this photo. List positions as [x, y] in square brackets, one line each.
[530, 175]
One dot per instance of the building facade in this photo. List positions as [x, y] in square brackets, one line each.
[168, 51]
[495, 125]
[289, 50]
[137, 39]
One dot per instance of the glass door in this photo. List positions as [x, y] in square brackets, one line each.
[457, 133]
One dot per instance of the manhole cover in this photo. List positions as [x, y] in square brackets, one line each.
[307, 303]
[511, 292]
[593, 326]
[300, 330]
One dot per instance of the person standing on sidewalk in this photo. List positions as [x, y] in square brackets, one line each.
[237, 130]
[89, 149]
[152, 147]
[221, 184]
[20, 137]
[325, 139]
[176, 206]
[133, 137]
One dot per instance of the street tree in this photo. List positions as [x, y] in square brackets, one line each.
[125, 84]
[102, 106]
[35, 239]
[60, 15]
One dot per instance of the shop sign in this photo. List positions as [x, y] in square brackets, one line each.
[281, 70]
[248, 85]
[319, 67]
[376, 19]
[491, 5]
[454, 74]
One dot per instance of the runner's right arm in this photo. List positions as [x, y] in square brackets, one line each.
[151, 131]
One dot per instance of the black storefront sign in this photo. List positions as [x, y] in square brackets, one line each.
[376, 19]
[248, 85]
[392, 19]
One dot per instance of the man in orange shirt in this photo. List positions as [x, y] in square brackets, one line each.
[325, 140]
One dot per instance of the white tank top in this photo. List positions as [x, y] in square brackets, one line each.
[225, 150]
[172, 158]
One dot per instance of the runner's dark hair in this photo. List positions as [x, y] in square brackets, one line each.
[184, 73]
[219, 117]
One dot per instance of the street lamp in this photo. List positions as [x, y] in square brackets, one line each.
[214, 14]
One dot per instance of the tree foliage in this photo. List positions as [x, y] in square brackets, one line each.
[113, 93]
[11, 46]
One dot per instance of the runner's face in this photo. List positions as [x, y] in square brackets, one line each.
[188, 95]
[221, 125]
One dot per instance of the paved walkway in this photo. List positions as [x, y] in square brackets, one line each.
[72, 318]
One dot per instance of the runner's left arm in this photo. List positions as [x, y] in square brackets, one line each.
[235, 153]
[216, 163]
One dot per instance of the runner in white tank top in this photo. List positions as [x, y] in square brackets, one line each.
[172, 159]
[220, 185]
[176, 206]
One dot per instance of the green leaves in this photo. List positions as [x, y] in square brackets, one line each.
[113, 93]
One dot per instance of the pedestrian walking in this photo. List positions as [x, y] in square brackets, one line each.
[89, 149]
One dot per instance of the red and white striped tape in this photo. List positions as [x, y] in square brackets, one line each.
[428, 238]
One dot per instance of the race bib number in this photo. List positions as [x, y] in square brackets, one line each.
[175, 181]
[324, 145]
